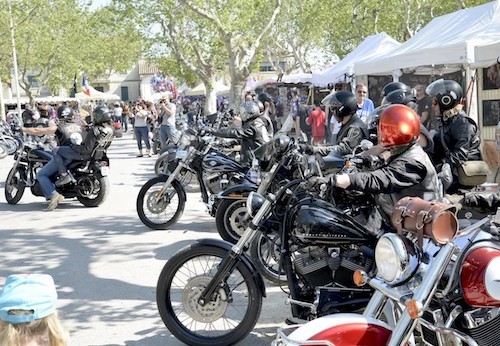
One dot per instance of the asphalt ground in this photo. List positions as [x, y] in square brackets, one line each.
[105, 262]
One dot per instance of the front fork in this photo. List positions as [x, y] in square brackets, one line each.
[182, 164]
[231, 260]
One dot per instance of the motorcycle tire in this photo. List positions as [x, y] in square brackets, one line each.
[226, 320]
[265, 252]
[93, 193]
[231, 219]
[150, 211]
[3, 151]
[10, 145]
[162, 165]
[14, 185]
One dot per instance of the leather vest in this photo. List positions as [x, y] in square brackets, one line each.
[67, 130]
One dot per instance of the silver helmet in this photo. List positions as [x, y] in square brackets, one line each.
[249, 110]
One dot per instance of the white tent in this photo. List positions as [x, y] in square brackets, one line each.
[220, 89]
[487, 54]
[447, 40]
[373, 46]
[96, 95]
[297, 78]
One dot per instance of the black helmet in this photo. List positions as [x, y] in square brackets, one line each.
[343, 101]
[446, 92]
[64, 112]
[101, 115]
[389, 87]
[400, 96]
[249, 110]
[265, 97]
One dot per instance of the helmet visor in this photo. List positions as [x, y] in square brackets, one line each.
[331, 101]
[437, 87]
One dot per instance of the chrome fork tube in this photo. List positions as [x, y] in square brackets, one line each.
[404, 328]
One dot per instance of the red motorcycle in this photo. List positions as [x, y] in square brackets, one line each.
[435, 285]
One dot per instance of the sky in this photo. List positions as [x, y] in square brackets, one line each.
[98, 3]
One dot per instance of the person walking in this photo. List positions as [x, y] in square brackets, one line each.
[167, 116]
[365, 105]
[141, 129]
[316, 119]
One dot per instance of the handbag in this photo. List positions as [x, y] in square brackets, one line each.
[470, 173]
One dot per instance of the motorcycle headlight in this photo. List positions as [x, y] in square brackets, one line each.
[185, 140]
[396, 258]
[254, 202]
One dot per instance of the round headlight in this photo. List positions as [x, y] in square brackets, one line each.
[396, 258]
[254, 202]
[185, 140]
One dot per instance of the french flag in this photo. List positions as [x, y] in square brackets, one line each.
[85, 85]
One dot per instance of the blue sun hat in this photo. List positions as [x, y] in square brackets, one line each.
[35, 294]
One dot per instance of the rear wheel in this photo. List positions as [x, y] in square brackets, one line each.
[14, 185]
[228, 318]
[93, 190]
[158, 208]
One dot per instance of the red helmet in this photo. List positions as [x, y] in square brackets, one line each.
[398, 125]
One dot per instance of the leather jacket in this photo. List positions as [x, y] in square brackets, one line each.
[252, 134]
[410, 173]
[349, 137]
[461, 136]
[65, 130]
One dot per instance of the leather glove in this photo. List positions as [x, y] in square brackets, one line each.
[316, 182]
[307, 149]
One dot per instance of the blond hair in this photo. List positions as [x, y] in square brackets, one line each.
[47, 331]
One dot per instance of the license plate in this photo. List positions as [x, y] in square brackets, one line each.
[181, 154]
[104, 170]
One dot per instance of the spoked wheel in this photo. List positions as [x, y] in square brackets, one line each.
[231, 219]
[265, 252]
[160, 208]
[10, 145]
[14, 185]
[228, 318]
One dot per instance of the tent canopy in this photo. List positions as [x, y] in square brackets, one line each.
[487, 55]
[96, 95]
[220, 89]
[371, 47]
[446, 40]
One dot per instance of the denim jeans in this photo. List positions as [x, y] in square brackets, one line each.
[166, 132]
[43, 177]
[142, 134]
[64, 155]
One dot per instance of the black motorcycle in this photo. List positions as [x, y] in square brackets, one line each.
[210, 292]
[161, 201]
[90, 184]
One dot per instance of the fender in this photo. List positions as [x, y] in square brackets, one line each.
[243, 257]
[237, 191]
[343, 330]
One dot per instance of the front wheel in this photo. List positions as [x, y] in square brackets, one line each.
[14, 185]
[93, 190]
[228, 318]
[231, 219]
[160, 207]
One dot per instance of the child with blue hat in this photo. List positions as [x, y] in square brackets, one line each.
[28, 313]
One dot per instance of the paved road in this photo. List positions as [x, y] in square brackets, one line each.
[105, 261]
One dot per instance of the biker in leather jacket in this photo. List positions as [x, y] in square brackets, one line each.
[253, 132]
[406, 169]
[353, 130]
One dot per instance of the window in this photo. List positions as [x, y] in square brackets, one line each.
[124, 93]
[99, 88]
[267, 67]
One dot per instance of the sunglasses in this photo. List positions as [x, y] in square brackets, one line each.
[362, 92]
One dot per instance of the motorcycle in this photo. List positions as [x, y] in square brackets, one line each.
[284, 161]
[210, 292]
[90, 178]
[161, 201]
[435, 285]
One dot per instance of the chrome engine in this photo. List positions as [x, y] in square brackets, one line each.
[217, 182]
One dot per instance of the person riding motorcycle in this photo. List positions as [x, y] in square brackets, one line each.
[458, 140]
[63, 155]
[66, 132]
[252, 133]
[408, 171]
[353, 130]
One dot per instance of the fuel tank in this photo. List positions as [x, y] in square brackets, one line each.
[315, 221]
[480, 276]
[217, 162]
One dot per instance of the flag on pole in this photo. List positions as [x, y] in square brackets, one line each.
[85, 85]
